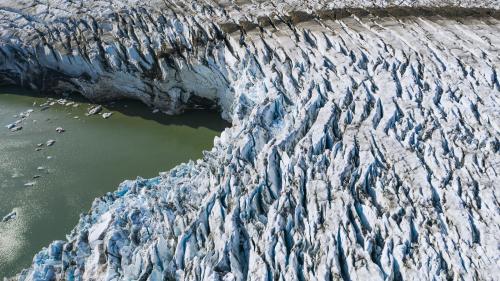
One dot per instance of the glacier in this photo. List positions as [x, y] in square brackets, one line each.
[364, 142]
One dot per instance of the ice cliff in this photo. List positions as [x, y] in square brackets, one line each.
[364, 142]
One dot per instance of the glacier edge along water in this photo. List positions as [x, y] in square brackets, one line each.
[47, 187]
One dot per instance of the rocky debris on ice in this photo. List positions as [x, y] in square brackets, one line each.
[10, 216]
[364, 142]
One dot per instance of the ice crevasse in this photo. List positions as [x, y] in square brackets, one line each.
[364, 142]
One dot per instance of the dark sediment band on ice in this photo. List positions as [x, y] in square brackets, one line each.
[296, 17]
[450, 12]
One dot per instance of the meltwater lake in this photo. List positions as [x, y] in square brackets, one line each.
[49, 186]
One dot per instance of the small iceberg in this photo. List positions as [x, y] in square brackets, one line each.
[16, 128]
[10, 216]
[107, 115]
[94, 110]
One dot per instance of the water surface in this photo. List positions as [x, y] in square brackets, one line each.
[91, 158]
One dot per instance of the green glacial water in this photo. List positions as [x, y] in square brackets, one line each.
[91, 158]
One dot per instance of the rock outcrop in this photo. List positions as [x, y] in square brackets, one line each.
[364, 141]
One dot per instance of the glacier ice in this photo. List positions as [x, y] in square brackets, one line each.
[364, 141]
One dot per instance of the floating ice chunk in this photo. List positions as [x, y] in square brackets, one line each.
[10, 216]
[16, 128]
[26, 114]
[94, 110]
[107, 115]
[50, 142]
[31, 183]
[60, 130]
